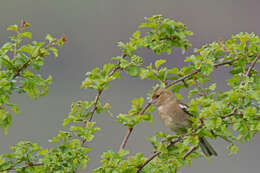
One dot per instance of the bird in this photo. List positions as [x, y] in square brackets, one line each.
[175, 116]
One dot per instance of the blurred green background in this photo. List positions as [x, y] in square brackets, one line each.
[93, 28]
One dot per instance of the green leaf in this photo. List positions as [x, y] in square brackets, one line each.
[43, 152]
[25, 34]
[132, 70]
[7, 63]
[137, 34]
[12, 28]
[207, 69]
[123, 153]
[250, 112]
[179, 96]
[54, 51]
[212, 87]
[49, 38]
[159, 62]
[173, 70]
[15, 109]
[233, 149]
[213, 123]
[143, 73]
[148, 118]
[137, 102]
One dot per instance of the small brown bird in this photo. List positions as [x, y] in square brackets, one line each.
[175, 116]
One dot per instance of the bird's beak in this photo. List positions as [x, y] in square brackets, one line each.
[151, 101]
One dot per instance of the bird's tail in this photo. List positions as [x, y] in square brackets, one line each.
[206, 148]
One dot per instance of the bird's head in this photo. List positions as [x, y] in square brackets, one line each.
[161, 96]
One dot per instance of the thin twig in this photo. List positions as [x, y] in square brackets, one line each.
[197, 71]
[199, 87]
[190, 151]
[94, 108]
[97, 98]
[230, 114]
[95, 105]
[129, 131]
[182, 78]
[18, 71]
[157, 154]
[147, 161]
[16, 42]
[225, 63]
[251, 66]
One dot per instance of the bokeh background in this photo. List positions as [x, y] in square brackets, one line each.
[93, 28]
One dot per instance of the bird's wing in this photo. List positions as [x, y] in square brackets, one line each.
[184, 107]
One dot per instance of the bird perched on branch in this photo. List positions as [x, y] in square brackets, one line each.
[175, 116]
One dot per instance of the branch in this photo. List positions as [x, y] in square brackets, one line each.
[97, 98]
[225, 63]
[18, 71]
[156, 154]
[129, 131]
[199, 88]
[147, 161]
[251, 66]
[197, 71]
[190, 151]
[182, 78]
[95, 105]
[22, 167]
[230, 114]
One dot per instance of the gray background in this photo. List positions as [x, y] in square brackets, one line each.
[93, 28]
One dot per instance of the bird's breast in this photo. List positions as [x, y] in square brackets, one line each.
[172, 119]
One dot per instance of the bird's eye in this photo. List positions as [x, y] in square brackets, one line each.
[157, 96]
